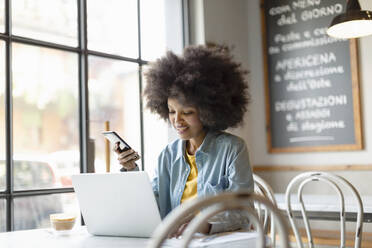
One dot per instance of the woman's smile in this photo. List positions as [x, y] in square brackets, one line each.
[181, 129]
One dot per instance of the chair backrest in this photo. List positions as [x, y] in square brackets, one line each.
[335, 182]
[261, 187]
[213, 205]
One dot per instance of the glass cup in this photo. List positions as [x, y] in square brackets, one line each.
[62, 223]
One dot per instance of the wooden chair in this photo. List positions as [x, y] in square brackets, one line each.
[261, 187]
[213, 205]
[335, 182]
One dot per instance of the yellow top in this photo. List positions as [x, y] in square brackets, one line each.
[191, 189]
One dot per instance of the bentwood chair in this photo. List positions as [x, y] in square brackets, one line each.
[335, 182]
[213, 205]
[261, 187]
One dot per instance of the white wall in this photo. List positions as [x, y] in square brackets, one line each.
[222, 21]
[238, 23]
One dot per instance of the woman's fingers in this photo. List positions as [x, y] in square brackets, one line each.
[127, 156]
[129, 165]
[128, 162]
[179, 231]
[126, 153]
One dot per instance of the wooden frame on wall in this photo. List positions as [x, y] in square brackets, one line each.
[343, 130]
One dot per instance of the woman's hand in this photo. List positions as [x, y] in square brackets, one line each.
[179, 231]
[204, 229]
[127, 158]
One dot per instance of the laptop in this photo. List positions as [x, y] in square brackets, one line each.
[117, 204]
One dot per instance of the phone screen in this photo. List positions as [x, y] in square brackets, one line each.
[114, 138]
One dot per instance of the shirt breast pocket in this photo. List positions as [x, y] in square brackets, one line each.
[213, 188]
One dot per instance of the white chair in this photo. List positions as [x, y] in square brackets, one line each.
[261, 187]
[213, 205]
[335, 182]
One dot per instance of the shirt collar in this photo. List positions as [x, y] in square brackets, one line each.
[204, 147]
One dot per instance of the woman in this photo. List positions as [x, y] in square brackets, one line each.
[200, 93]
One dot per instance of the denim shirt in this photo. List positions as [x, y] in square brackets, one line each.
[223, 165]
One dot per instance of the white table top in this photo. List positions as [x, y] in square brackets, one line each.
[324, 203]
[78, 238]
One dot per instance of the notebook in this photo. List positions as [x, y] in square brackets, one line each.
[117, 204]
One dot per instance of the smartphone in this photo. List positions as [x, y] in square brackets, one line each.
[114, 138]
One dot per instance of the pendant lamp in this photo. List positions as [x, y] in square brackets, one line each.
[353, 23]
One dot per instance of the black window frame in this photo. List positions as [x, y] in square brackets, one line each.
[82, 50]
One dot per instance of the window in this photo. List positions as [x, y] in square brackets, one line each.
[154, 138]
[2, 215]
[2, 129]
[45, 110]
[53, 21]
[32, 212]
[113, 97]
[2, 23]
[153, 40]
[2, 115]
[113, 27]
[75, 65]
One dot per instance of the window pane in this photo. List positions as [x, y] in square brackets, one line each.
[54, 21]
[2, 115]
[152, 29]
[154, 141]
[113, 27]
[114, 97]
[45, 117]
[2, 216]
[2, 16]
[33, 211]
[2, 173]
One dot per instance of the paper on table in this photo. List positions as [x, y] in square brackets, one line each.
[233, 239]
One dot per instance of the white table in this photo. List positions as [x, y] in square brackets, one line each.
[327, 207]
[79, 238]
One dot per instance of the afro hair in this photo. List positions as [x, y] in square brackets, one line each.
[204, 77]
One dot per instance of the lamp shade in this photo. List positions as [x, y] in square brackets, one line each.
[353, 23]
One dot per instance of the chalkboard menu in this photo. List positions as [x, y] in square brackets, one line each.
[312, 85]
